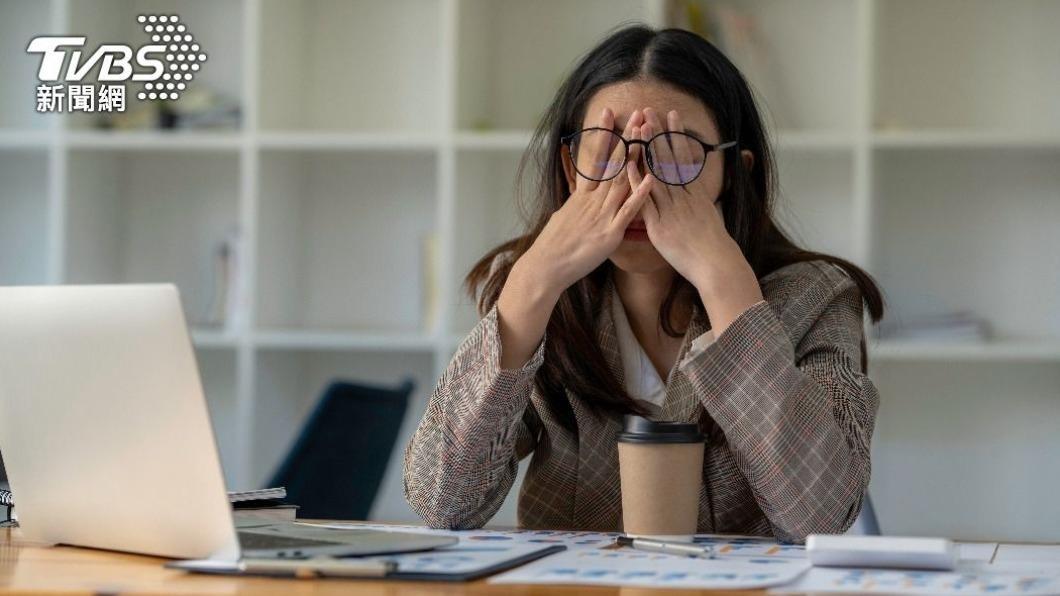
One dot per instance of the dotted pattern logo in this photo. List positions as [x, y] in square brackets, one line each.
[183, 56]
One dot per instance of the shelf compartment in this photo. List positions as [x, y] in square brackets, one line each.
[24, 225]
[21, 21]
[815, 202]
[993, 68]
[974, 437]
[216, 25]
[138, 216]
[502, 85]
[289, 384]
[970, 230]
[327, 74]
[341, 240]
[791, 66]
[489, 214]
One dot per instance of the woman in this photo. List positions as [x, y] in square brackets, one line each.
[653, 280]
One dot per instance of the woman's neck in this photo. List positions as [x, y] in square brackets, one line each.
[642, 295]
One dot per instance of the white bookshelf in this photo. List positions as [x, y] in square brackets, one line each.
[920, 140]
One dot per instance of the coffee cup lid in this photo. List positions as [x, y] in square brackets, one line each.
[638, 429]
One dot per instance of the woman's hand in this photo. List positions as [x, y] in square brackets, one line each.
[590, 225]
[578, 237]
[686, 225]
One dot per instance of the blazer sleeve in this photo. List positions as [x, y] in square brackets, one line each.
[798, 419]
[464, 456]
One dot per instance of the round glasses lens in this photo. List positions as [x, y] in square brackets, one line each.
[598, 154]
[677, 158]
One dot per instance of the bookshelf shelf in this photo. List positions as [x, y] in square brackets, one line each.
[374, 141]
[965, 139]
[815, 140]
[370, 130]
[1003, 350]
[28, 139]
[168, 141]
[309, 340]
[506, 140]
[211, 338]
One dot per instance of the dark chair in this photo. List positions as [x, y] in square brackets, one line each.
[336, 465]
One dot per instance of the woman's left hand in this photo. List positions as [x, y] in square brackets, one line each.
[686, 225]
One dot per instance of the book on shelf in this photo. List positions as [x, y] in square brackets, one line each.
[961, 326]
[266, 503]
[226, 308]
[259, 494]
[278, 512]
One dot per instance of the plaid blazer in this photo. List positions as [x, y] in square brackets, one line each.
[791, 414]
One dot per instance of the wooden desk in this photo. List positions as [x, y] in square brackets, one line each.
[32, 569]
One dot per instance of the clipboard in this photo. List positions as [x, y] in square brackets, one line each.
[462, 562]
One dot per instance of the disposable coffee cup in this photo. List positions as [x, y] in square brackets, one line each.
[661, 470]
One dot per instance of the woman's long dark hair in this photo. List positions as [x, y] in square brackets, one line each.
[685, 61]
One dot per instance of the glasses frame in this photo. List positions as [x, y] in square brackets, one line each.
[568, 140]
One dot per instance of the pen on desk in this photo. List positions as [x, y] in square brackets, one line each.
[669, 548]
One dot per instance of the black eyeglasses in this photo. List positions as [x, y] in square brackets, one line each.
[675, 158]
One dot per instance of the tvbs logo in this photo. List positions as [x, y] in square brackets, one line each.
[165, 66]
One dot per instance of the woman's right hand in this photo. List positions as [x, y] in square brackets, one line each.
[578, 237]
[592, 221]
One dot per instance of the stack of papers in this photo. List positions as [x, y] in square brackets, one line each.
[591, 558]
[627, 567]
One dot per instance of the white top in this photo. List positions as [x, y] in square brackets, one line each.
[640, 378]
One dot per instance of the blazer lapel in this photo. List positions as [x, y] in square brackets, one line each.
[606, 336]
[681, 404]
[598, 482]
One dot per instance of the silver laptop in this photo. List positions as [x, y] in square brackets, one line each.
[106, 435]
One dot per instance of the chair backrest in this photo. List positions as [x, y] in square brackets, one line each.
[335, 467]
[866, 524]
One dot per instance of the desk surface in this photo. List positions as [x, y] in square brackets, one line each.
[32, 569]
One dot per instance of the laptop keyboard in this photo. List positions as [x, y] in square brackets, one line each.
[254, 541]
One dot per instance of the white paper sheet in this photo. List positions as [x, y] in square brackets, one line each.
[755, 562]
[459, 558]
[626, 567]
[830, 580]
